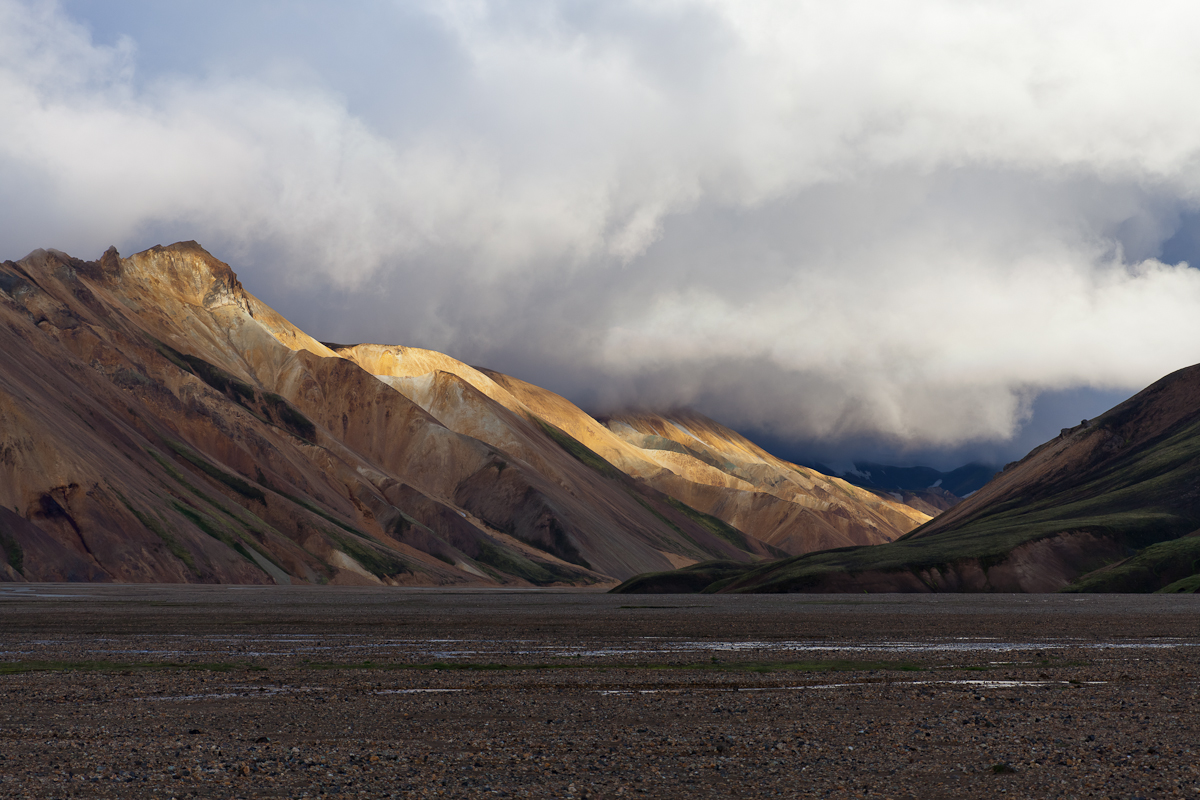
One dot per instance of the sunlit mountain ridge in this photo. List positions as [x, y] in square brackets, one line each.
[160, 423]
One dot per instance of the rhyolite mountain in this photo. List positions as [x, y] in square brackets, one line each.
[160, 423]
[1110, 505]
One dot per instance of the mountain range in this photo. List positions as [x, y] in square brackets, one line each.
[159, 423]
[1109, 505]
[924, 488]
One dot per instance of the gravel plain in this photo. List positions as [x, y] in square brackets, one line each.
[238, 692]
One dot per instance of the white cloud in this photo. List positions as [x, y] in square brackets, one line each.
[901, 218]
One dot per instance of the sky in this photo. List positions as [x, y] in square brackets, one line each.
[915, 231]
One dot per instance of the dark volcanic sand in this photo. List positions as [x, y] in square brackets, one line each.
[1089, 696]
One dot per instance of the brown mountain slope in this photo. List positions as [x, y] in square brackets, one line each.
[159, 423]
[1112, 504]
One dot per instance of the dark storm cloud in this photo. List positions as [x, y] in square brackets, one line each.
[867, 224]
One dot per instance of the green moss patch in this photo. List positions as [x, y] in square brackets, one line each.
[375, 561]
[715, 526]
[325, 515]
[1188, 585]
[155, 526]
[512, 563]
[218, 378]
[1150, 570]
[204, 523]
[239, 485]
[291, 419]
[12, 551]
[211, 374]
[695, 578]
[579, 451]
[213, 529]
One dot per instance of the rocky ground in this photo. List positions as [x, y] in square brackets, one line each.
[166, 691]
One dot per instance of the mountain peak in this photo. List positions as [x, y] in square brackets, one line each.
[185, 271]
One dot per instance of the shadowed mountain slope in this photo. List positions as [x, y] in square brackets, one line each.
[160, 423]
[1105, 506]
[959, 482]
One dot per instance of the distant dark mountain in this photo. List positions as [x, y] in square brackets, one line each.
[1112, 504]
[924, 488]
[959, 482]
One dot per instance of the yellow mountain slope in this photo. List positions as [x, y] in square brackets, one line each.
[685, 455]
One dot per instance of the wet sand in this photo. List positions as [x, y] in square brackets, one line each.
[215, 691]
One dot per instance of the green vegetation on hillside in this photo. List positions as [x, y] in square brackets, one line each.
[1189, 585]
[379, 563]
[710, 523]
[12, 551]
[242, 393]
[325, 515]
[292, 419]
[213, 375]
[214, 530]
[1137, 499]
[1152, 569]
[591, 458]
[694, 578]
[514, 563]
[155, 526]
[581, 452]
[239, 485]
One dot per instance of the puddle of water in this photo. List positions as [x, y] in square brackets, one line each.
[1003, 684]
[34, 593]
[1137, 645]
[219, 647]
[249, 693]
[978, 684]
[813, 686]
[990, 646]
[614, 652]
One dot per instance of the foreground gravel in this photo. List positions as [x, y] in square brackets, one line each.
[212, 692]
